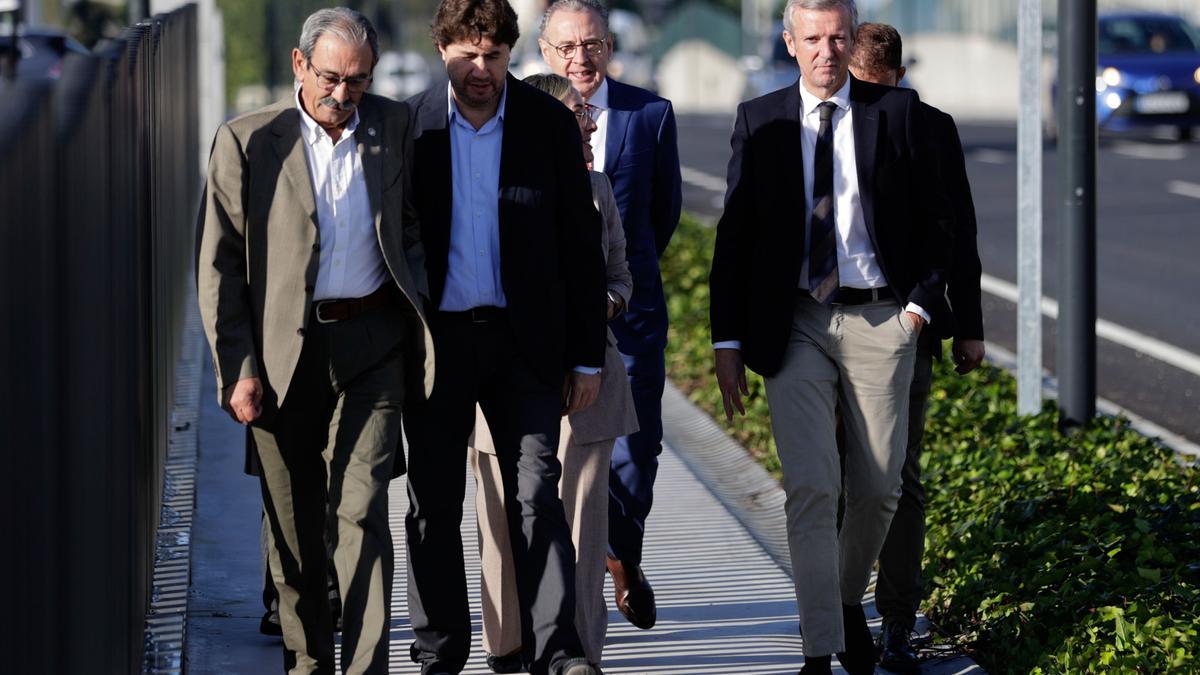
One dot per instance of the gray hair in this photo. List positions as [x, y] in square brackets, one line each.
[847, 6]
[556, 85]
[343, 23]
[594, 6]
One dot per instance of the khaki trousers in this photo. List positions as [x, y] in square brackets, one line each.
[584, 493]
[859, 358]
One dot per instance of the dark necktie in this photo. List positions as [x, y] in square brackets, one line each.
[822, 250]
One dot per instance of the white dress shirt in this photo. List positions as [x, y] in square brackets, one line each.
[856, 259]
[351, 263]
[599, 101]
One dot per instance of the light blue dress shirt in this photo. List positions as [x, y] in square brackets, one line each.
[473, 272]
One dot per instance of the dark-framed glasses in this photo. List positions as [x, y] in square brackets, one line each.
[567, 49]
[328, 81]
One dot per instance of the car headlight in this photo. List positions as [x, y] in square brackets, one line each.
[1111, 76]
[1100, 85]
[1113, 100]
[1196, 76]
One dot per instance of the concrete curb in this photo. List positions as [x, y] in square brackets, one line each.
[1185, 449]
[166, 622]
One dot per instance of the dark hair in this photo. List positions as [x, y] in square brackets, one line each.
[473, 20]
[877, 49]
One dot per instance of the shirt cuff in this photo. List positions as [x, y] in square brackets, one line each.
[586, 370]
[919, 311]
[728, 344]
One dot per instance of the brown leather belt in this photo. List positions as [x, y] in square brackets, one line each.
[329, 311]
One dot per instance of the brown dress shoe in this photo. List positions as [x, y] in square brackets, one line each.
[635, 597]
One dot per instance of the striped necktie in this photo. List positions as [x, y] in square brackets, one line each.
[822, 250]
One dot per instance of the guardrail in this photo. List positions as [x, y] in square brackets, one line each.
[99, 181]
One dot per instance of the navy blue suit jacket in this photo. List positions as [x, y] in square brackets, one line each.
[641, 159]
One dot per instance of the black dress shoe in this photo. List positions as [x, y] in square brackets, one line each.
[269, 625]
[509, 663]
[635, 597]
[898, 653]
[816, 665]
[859, 657]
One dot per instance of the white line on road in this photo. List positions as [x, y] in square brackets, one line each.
[702, 180]
[1153, 347]
[990, 156]
[1184, 188]
[1168, 153]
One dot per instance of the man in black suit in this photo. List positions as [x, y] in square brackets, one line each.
[825, 297]
[517, 283]
[878, 58]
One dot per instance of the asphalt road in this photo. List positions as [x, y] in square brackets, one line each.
[1148, 252]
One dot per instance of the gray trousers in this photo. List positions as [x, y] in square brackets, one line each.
[859, 359]
[898, 589]
[335, 439]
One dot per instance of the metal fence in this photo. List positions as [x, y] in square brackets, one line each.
[99, 177]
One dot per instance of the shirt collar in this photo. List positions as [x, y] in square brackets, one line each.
[455, 115]
[809, 102]
[314, 132]
[600, 98]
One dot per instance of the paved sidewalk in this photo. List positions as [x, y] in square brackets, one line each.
[725, 607]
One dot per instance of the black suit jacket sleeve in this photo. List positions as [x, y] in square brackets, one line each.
[934, 214]
[728, 283]
[965, 268]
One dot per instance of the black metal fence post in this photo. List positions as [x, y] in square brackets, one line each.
[99, 180]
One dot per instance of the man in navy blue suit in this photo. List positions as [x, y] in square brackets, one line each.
[634, 144]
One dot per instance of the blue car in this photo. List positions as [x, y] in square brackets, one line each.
[1148, 73]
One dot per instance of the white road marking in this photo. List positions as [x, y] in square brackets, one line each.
[1184, 188]
[1158, 151]
[991, 156]
[1153, 347]
[700, 179]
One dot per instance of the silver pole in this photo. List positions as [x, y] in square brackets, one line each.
[1029, 210]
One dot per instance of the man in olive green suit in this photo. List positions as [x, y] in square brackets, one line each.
[311, 287]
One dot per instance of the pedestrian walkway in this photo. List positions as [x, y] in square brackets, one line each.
[725, 607]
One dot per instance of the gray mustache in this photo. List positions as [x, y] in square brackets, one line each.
[332, 102]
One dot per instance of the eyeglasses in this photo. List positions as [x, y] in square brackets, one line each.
[585, 113]
[329, 81]
[567, 50]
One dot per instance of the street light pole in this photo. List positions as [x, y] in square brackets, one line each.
[1076, 352]
[1029, 210]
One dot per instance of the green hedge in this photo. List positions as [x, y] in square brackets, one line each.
[1045, 553]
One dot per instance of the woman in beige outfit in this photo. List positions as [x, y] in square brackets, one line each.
[584, 449]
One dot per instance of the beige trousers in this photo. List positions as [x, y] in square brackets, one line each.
[858, 357]
[584, 493]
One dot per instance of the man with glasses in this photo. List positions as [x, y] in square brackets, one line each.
[312, 286]
[635, 145]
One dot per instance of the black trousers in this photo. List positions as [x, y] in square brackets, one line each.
[899, 587]
[479, 362]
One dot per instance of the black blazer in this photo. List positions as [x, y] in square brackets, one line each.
[965, 319]
[551, 264]
[760, 236]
